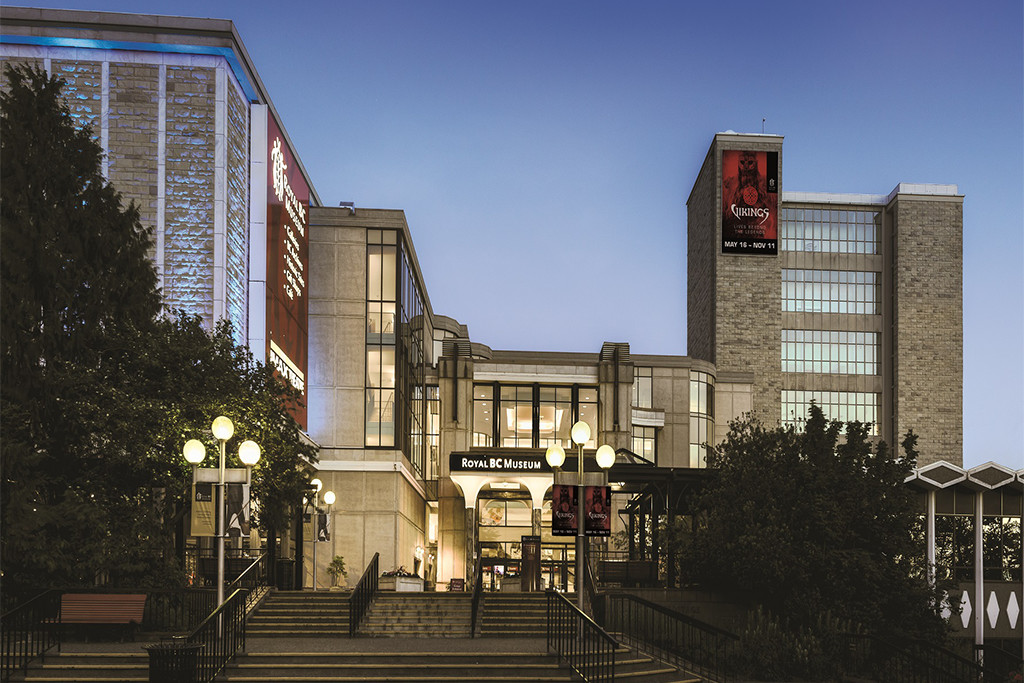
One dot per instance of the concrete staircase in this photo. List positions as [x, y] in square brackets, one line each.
[300, 614]
[513, 615]
[90, 667]
[407, 667]
[418, 615]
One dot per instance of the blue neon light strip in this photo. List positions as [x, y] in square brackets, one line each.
[227, 53]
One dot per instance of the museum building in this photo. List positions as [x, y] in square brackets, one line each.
[433, 442]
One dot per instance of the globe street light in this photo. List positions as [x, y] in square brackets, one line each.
[555, 457]
[195, 452]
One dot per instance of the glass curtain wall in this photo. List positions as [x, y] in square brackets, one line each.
[395, 408]
[531, 415]
[702, 416]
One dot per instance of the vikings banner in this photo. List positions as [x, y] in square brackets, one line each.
[563, 510]
[750, 202]
[597, 504]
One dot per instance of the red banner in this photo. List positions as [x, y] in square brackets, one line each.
[750, 202]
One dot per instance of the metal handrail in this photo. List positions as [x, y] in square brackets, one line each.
[914, 661]
[254, 578]
[221, 635]
[27, 632]
[363, 594]
[478, 589]
[669, 635]
[579, 641]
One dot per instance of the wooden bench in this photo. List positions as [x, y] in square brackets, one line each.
[102, 608]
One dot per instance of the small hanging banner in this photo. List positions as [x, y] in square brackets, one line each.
[597, 503]
[323, 526]
[563, 510]
[203, 519]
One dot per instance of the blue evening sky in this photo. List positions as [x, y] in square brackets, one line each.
[543, 150]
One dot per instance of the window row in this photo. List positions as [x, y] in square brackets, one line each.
[830, 291]
[832, 352]
[845, 406]
[531, 416]
[823, 230]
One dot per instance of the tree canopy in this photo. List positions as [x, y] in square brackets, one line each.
[805, 523]
[99, 388]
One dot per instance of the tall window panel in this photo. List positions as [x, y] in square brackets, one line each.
[702, 416]
[515, 429]
[411, 418]
[845, 406]
[483, 416]
[830, 231]
[381, 304]
[643, 387]
[830, 352]
[433, 431]
[645, 442]
[830, 291]
[554, 417]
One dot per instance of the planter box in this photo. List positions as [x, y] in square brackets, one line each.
[408, 584]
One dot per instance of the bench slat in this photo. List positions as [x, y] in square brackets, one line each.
[102, 608]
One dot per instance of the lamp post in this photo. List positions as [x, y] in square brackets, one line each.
[555, 457]
[329, 499]
[195, 452]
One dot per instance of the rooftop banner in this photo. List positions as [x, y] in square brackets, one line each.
[750, 202]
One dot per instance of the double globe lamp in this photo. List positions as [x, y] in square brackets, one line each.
[555, 457]
[195, 452]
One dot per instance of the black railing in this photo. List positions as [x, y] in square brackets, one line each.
[28, 631]
[478, 589]
[999, 664]
[669, 635]
[221, 635]
[177, 610]
[255, 579]
[363, 594]
[914, 662]
[579, 641]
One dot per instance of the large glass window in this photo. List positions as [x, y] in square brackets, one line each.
[483, 415]
[845, 406]
[832, 231]
[395, 406]
[702, 417]
[531, 415]
[645, 442]
[516, 427]
[643, 387]
[381, 302]
[830, 352]
[433, 431]
[554, 421]
[830, 291]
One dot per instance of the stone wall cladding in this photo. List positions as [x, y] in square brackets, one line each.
[133, 126]
[700, 264]
[928, 303]
[237, 291]
[748, 302]
[83, 91]
[188, 251]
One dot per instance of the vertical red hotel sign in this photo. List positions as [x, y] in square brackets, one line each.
[750, 202]
[287, 265]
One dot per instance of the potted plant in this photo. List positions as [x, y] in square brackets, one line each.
[337, 570]
[400, 579]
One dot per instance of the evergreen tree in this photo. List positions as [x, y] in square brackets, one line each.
[815, 522]
[98, 391]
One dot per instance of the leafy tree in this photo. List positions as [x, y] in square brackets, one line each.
[804, 522]
[98, 390]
